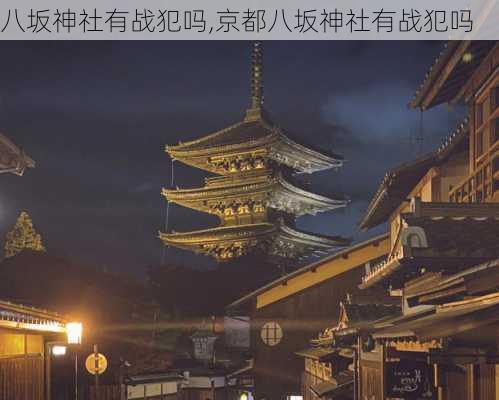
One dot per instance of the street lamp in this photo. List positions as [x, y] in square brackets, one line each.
[243, 396]
[73, 332]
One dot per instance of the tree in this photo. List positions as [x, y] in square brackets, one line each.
[23, 236]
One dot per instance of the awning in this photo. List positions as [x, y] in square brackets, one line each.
[477, 280]
[448, 320]
[317, 353]
[154, 378]
[340, 383]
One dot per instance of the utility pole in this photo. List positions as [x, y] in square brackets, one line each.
[96, 358]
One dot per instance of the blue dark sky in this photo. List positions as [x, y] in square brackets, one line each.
[96, 116]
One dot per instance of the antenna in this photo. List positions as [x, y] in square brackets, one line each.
[420, 135]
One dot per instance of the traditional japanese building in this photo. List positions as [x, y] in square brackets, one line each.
[255, 194]
[28, 335]
[287, 313]
[442, 266]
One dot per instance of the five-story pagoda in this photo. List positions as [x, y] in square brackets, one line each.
[253, 195]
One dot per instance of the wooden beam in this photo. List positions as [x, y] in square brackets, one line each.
[444, 75]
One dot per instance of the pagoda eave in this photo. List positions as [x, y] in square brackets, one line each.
[233, 154]
[278, 239]
[301, 158]
[260, 191]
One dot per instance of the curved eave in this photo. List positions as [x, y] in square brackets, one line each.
[16, 159]
[196, 198]
[321, 161]
[398, 183]
[180, 153]
[216, 235]
[199, 147]
[449, 73]
[311, 239]
[213, 192]
[192, 145]
[276, 139]
[322, 203]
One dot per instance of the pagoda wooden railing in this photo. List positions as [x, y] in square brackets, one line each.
[482, 186]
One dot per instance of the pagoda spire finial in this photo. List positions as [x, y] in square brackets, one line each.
[256, 111]
[257, 75]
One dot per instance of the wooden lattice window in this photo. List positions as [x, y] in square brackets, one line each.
[271, 333]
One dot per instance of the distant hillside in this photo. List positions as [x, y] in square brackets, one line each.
[86, 293]
[183, 291]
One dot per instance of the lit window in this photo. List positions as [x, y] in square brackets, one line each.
[271, 333]
[58, 350]
[294, 397]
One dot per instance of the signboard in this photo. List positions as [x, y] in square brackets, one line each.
[96, 364]
[409, 380]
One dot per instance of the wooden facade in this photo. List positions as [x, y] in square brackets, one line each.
[22, 377]
[24, 360]
[301, 304]
[443, 262]
[481, 92]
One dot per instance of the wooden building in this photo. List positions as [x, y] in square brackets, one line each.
[443, 212]
[164, 386]
[288, 312]
[255, 195]
[26, 334]
[331, 361]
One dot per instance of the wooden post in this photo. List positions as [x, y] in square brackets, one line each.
[96, 358]
[496, 368]
[383, 370]
[76, 373]
[48, 370]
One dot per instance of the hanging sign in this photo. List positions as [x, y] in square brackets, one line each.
[408, 379]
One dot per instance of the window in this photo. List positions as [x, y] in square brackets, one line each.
[479, 114]
[495, 98]
[495, 131]
[479, 143]
[271, 333]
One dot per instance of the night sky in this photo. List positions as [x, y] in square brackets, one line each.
[95, 116]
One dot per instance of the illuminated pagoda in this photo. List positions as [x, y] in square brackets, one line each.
[255, 194]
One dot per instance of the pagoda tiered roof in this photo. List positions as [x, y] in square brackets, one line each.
[274, 239]
[250, 145]
[253, 193]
